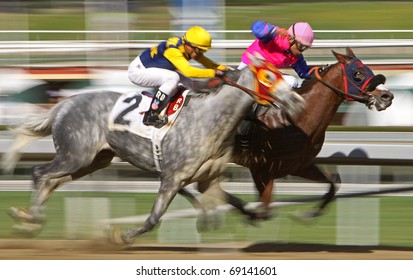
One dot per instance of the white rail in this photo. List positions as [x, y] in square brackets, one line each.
[94, 45]
[373, 146]
[63, 52]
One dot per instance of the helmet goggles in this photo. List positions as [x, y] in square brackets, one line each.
[306, 36]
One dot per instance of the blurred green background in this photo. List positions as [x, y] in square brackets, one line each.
[391, 225]
[238, 15]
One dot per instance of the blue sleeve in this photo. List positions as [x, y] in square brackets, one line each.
[264, 31]
[301, 67]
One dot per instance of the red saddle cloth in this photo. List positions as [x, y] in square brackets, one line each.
[267, 78]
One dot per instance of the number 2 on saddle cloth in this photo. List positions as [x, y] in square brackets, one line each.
[267, 80]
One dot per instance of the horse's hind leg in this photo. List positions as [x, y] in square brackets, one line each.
[314, 173]
[46, 178]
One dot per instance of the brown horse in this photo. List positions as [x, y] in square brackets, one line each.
[277, 145]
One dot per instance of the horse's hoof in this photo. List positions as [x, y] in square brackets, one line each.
[24, 215]
[209, 221]
[27, 229]
[117, 237]
[305, 217]
[265, 216]
[19, 214]
[202, 223]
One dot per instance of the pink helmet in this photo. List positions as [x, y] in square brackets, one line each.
[302, 32]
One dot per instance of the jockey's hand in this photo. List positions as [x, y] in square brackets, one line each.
[311, 74]
[223, 68]
[314, 70]
[220, 73]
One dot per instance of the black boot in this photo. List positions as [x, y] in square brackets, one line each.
[152, 116]
[245, 134]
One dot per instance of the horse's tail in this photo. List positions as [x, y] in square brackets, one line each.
[32, 129]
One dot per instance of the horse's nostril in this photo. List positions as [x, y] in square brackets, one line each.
[388, 96]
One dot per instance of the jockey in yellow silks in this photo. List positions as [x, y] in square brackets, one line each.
[164, 65]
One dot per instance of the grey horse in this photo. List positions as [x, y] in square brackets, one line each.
[194, 150]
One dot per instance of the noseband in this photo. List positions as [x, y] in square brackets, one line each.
[362, 95]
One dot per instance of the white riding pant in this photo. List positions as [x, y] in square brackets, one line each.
[166, 80]
[291, 80]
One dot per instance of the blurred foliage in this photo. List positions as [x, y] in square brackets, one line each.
[239, 15]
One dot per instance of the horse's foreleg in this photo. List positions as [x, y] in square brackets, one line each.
[264, 183]
[163, 199]
[191, 198]
[328, 197]
[266, 195]
[232, 200]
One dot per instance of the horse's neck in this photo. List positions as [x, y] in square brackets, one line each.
[223, 111]
[231, 101]
[322, 104]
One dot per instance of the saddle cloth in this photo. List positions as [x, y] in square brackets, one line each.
[128, 111]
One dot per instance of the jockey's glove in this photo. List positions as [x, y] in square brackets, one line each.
[222, 70]
[312, 72]
[220, 73]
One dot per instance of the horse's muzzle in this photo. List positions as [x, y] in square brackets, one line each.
[381, 98]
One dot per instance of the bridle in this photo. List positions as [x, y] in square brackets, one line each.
[362, 95]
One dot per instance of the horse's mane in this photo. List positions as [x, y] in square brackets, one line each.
[203, 88]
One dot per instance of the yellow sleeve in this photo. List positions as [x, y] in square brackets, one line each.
[207, 62]
[176, 57]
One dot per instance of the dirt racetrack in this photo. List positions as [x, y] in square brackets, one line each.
[15, 249]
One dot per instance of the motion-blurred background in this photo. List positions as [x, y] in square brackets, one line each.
[50, 50]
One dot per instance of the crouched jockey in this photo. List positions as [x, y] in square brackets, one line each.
[166, 64]
[281, 48]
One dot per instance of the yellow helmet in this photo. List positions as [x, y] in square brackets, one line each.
[198, 37]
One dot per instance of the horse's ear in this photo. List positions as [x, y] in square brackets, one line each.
[341, 57]
[350, 52]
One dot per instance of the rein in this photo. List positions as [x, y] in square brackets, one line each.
[247, 90]
[338, 91]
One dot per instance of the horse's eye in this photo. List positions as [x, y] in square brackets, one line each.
[358, 76]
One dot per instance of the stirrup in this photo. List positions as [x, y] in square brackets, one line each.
[152, 118]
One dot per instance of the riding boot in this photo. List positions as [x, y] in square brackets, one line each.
[245, 134]
[180, 89]
[152, 116]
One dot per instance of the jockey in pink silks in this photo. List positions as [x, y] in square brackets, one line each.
[282, 47]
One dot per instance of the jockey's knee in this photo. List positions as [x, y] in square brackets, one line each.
[291, 81]
[241, 66]
[169, 83]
